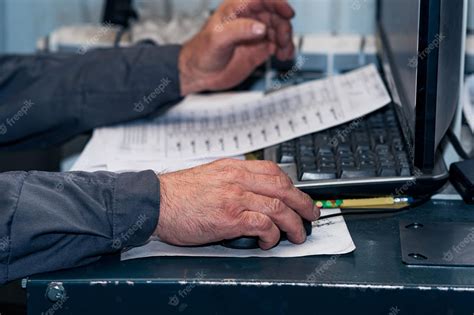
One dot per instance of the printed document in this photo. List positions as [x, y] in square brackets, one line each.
[222, 125]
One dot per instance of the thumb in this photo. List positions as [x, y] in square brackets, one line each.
[238, 31]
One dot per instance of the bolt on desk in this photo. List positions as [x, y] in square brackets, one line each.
[371, 280]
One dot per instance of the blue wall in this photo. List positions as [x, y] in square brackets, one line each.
[26, 20]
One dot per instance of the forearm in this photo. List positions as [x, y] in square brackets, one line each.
[45, 100]
[51, 221]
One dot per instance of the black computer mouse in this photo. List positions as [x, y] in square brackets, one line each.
[252, 242]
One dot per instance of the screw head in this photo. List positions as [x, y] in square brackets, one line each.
[55, 292]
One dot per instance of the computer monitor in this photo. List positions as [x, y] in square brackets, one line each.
[420, 44]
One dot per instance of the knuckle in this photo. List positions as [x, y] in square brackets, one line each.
[261, 222]
[231, 198]
[276, 206]
[272, 167]
[231, 172]
[284, 182]
[236, 192]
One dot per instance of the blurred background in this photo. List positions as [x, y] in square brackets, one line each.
[76, 26]
[22, 22]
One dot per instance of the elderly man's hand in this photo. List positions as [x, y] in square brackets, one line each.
[240, 36]
[231, 198]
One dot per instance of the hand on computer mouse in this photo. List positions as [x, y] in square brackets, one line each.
[232, 198]
[236, 39]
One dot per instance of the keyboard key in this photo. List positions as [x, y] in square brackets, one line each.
[387, 172]
[373, 147]
[306, 152]
[306, 140]
[315, 174]
[286, 156]
[382, 149]
[366, 156]
[324, 149]
[328, 165]
[343, 148]
[321, 138]
[404, 170]
[306, 161]
[353, 172]
[367, 164]
[362, 146]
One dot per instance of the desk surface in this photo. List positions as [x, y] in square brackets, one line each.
[373, 274]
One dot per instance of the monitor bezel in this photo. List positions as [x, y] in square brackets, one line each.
[419, 131]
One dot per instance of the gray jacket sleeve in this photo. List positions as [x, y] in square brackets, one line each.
[47, 99]
[51, 221]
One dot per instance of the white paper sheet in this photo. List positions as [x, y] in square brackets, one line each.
[468, 107]
[222, 126]
[103, 150]
[92, 157]
[329, 237]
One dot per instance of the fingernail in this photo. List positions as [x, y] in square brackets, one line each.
[303, 235]
[258, 29]
[317, 212]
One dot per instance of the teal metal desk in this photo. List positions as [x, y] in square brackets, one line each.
[372, 280]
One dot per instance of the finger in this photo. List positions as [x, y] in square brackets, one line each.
[284, 31]
[228, 35]
[285, 218]
[282, 188]
[286, 53]
[257, 224]
[280, 7]
[266, 18]
[257, 53]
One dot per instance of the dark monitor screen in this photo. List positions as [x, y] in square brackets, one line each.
[420, 43]
[400, 23]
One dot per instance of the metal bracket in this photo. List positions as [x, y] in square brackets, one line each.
[437, 244]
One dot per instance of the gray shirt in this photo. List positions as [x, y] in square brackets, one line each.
[51, 221]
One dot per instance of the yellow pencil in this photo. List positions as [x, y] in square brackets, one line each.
[364, 203]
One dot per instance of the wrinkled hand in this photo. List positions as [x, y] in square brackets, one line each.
[231, 198]
[236, 39]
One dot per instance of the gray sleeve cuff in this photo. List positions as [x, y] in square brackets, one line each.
[136, 208]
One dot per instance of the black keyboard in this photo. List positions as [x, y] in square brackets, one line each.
[372, 146]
